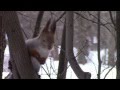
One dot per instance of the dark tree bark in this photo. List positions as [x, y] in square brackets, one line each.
[17, 46]
[111, 59]
[38, 23]
[118, 44]
[13, 69]
[69, 48]
[98, 36]
[2, 46]
[36, 32]
[111, 18]
[62, 68]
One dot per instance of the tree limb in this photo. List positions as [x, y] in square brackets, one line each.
[17, 45]
[69, 48]
[38, 23]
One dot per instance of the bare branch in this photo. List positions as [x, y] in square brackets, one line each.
[69, 48]
[109, 71]
[104, 25]
[111, 17]
[56, 16]
[38, 23]
[60, 16]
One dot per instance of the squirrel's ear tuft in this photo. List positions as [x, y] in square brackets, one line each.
[46, 28]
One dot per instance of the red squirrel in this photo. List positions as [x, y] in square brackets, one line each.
[40, 47]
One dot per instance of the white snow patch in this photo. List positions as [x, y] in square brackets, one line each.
[51, 67]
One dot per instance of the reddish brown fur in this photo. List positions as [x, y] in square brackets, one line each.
[41, 46]
[35, 54]
[47, 39]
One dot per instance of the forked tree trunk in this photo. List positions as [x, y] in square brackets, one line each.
[69, 48]
[17, 46]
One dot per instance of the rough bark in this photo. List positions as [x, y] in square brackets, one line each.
[38, 23]
[62, 68]
[118, 44]
[17, 46]
[2, 46]
[14, 72]
[98, 36]
[69, 48]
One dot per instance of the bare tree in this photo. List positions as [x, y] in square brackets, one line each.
[69, 48]
[12, 65]
[62, 68]
[99, 60]
[38, 23]
[118, 44]
[17, 45]
[2, 46]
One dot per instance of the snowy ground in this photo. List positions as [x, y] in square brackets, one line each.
[51, 67]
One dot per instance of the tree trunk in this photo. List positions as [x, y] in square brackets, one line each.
[17, 46]
[99, 59]
[118, 44]
[14, 72]
[38, 23]
[62, 68]
[2, 46]
[111, 57]
[69, 48]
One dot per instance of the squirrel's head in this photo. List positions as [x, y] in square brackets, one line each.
[47, 35]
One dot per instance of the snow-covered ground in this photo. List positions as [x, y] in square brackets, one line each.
[49, 70]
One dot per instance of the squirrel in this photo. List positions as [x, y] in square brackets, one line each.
[40, 46]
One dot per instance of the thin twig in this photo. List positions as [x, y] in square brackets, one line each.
[111, 17]
[61, 16]
[56, 16]
[26, 16]
[47, 67]
[46, 72]
[24, 33]
[95, 22]
[101, 19]
[81, 49]
[109, 71]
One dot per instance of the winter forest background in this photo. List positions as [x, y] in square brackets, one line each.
[95, 43]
